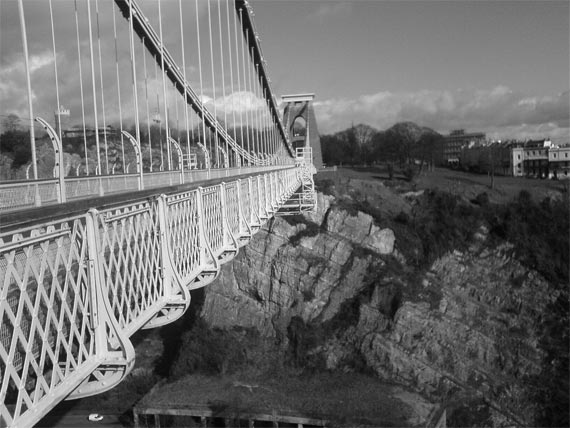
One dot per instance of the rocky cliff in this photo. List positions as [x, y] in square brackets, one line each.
[335, 291]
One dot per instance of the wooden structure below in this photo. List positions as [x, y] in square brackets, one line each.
[210, 416]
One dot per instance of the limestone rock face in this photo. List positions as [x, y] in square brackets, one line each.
[272, 280]
[477, 331]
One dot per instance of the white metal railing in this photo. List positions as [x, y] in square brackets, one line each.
[75, 289]
[18, 195]
[304, 155]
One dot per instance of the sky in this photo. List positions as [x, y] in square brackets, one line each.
[500, 67]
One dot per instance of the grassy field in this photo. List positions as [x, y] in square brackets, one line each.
[461, 183]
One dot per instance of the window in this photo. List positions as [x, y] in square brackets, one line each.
[518, 157]
[565, 155]
[554, 154]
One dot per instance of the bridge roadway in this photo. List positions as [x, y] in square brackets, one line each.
[80, 278]
[18, 216]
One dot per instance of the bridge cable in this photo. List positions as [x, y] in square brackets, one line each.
[245, 90]
[177, 125]
[263, 119]
[242, 143]
[166, 128]
[265, 127]
[81, 89]
[250, 112]
[22, 20]
[157, 116]
[260, 112]
[118, 89]
[201, 85]
[102, 89]
[254, 140]
[269, 120]
[223, 79]
[264, 123]
[93, 88]
[146, 102]
[213, 80]
[134, 74]
[185, 87]
[256, 110]
[55, 70]
[231, 76]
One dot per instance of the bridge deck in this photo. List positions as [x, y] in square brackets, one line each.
[20, 218]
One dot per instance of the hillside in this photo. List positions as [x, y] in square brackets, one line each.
[433, 294]
[440, 298]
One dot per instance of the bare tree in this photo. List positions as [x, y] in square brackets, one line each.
[11, 123]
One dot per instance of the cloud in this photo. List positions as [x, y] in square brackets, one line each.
[497, 110]
[240, 102]
[329, 9]
[69, 85]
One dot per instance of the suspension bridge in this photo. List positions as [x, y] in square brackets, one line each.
[142, 146]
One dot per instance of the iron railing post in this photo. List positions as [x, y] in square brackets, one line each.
[58, 154]
[138, 153]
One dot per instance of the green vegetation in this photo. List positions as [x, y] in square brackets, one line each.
[441, 220]
[539, 232]
[211, 351]
[401, 144]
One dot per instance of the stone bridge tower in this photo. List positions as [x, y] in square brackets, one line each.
[299, 120]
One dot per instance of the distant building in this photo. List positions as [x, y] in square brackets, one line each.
[487, 157]
[559, 162]
[62, 117]
[456, 141]
[517, 161]
[535, 158]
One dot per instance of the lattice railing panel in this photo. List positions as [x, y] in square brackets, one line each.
[232, 207]
[212, 218]
[163, 178]
[255, 205]
[46, 333]
[81, 188]
[74, 290]
[245, 201]
[122, 183]
[272, 192]
[132, 263]
[262, 196]
[183, 222]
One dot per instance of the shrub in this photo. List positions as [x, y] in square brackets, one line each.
[482, 199]
[209, 351]
[409, 173]
[443, 223]
[538, 231]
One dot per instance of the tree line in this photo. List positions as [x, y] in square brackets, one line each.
[116, 153]
[403, 144]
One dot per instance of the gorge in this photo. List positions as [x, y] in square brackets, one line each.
[453, 300]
